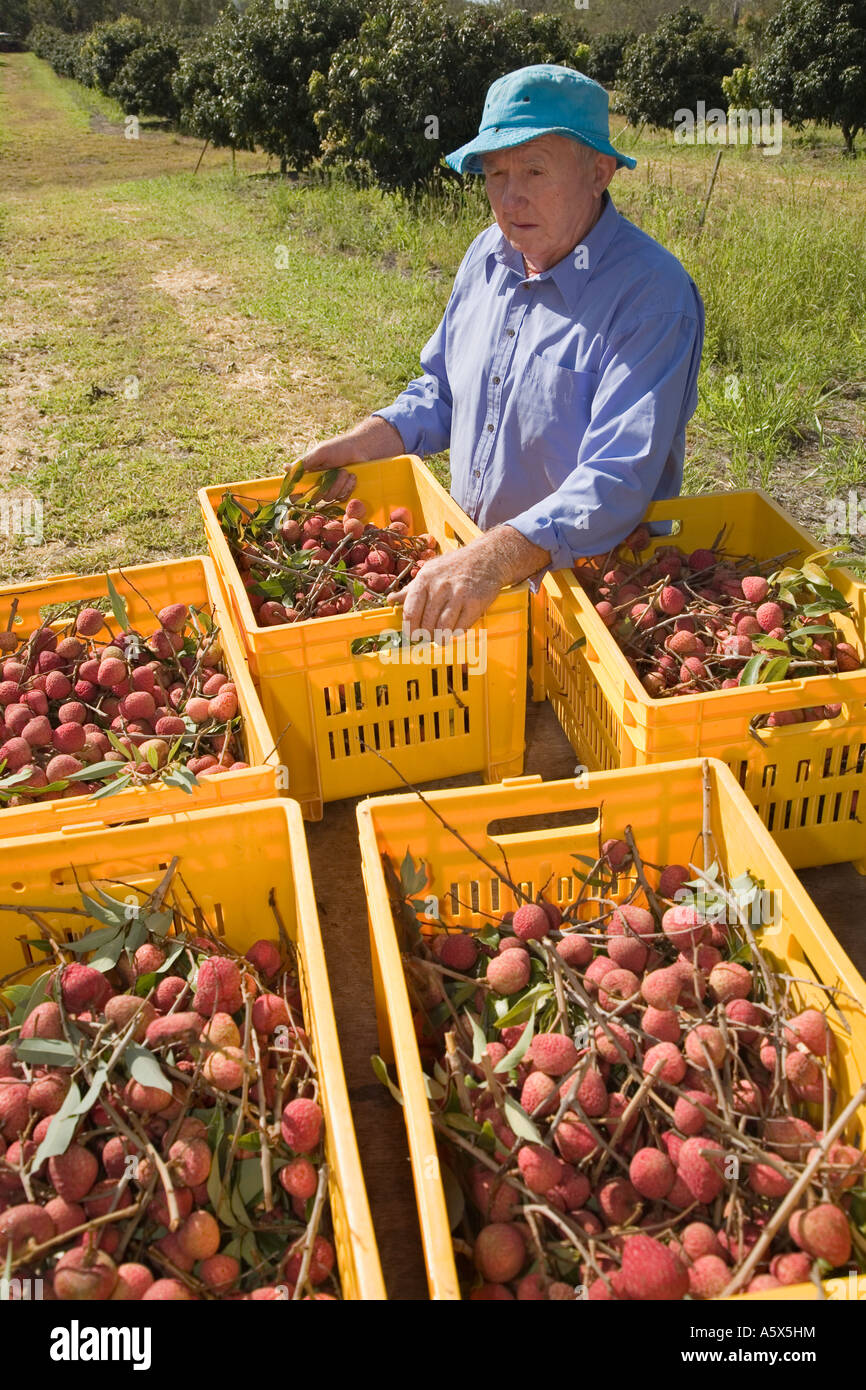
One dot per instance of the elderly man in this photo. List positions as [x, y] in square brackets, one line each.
[564, 370]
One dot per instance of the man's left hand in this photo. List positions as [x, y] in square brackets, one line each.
[453, 591]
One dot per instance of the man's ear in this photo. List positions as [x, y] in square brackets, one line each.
[605, 168]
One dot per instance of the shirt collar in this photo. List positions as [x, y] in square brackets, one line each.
[571, 274]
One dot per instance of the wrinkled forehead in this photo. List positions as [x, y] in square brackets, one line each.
[550, 151]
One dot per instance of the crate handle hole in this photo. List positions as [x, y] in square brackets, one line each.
[513, 827]
[17, 887]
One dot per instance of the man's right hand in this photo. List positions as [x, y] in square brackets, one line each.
[373, 438]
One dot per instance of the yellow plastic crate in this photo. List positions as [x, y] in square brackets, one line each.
[230, 860]
[805, 781]
[328, 708]
[192, 581]
[663, 805]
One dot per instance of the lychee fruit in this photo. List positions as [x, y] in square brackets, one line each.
[651, 1272]
[729, 980]
[531, 922]
[301, 1125]
[199, 1236]
[823, 1232]
[671, 1061]
[708, 1276]
[575, 950]
[705, 1044]
[700, 1165]
[652, 1173]
[811, 1028]
[688, 1117]
[508, 973]
[218, 987]
[500, 1252]
[84, 1274]
[684, 927]
[553, 1053]
[540, 1169]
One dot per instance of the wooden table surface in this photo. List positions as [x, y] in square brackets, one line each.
[838, 892]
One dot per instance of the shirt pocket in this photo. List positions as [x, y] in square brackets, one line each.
[553, 406]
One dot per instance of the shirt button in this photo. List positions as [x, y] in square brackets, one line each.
[490, 429]
[509, 332]
[496, 380]
[477, 473]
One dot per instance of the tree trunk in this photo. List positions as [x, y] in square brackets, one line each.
[848, 137]
[284, 164]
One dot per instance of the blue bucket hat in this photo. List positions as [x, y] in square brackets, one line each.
[545, 99]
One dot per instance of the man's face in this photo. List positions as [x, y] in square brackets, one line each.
[545, 195]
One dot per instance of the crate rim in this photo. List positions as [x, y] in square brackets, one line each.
[788, 688]
[341, 1130]
[436, 1234]
[207, 501]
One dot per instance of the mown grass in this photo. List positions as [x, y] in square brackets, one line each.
[318, 296]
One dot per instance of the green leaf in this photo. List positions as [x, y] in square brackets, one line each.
[38, 944]
[770, 644]
[112, 788]
[479, 1041]
[249, 1181]
[144, 1068]
[61, 1129]
[218, 1199]
[108, 910]
[518, 1051]
[118, 607]
[525, 1005]
[455, 1119]
[238, 1207]
[153, 758]
[487, 1139]
[775, 670]
[46, 1052]
[94, 771]
[93, 940]
[750, 674]
[181, 777]
[17, 993]
[36, 994]
[578, 642]
[253, 1140]
[117, 745]
[434, 1090]
[520, 1121]
[145, 983]
[381, 1072]
[249, 1250]
[412, 880]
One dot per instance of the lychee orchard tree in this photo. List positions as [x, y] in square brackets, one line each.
[680, 64]
[264, 63]
[144, 83]
[815, 65]
[411, 85]
[196, 89]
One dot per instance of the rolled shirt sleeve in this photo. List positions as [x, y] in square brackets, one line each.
[422, 413]
[647, 375]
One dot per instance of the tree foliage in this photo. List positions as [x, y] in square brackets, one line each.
[410, 87]
[680, 64]
[144, 84]
[815, 65]
[265, 61]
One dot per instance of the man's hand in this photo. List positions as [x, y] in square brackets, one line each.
[452, 592]
[373, 438]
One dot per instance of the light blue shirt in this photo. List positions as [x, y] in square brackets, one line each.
[563, 397]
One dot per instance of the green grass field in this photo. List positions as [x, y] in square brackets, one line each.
[160, 330]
